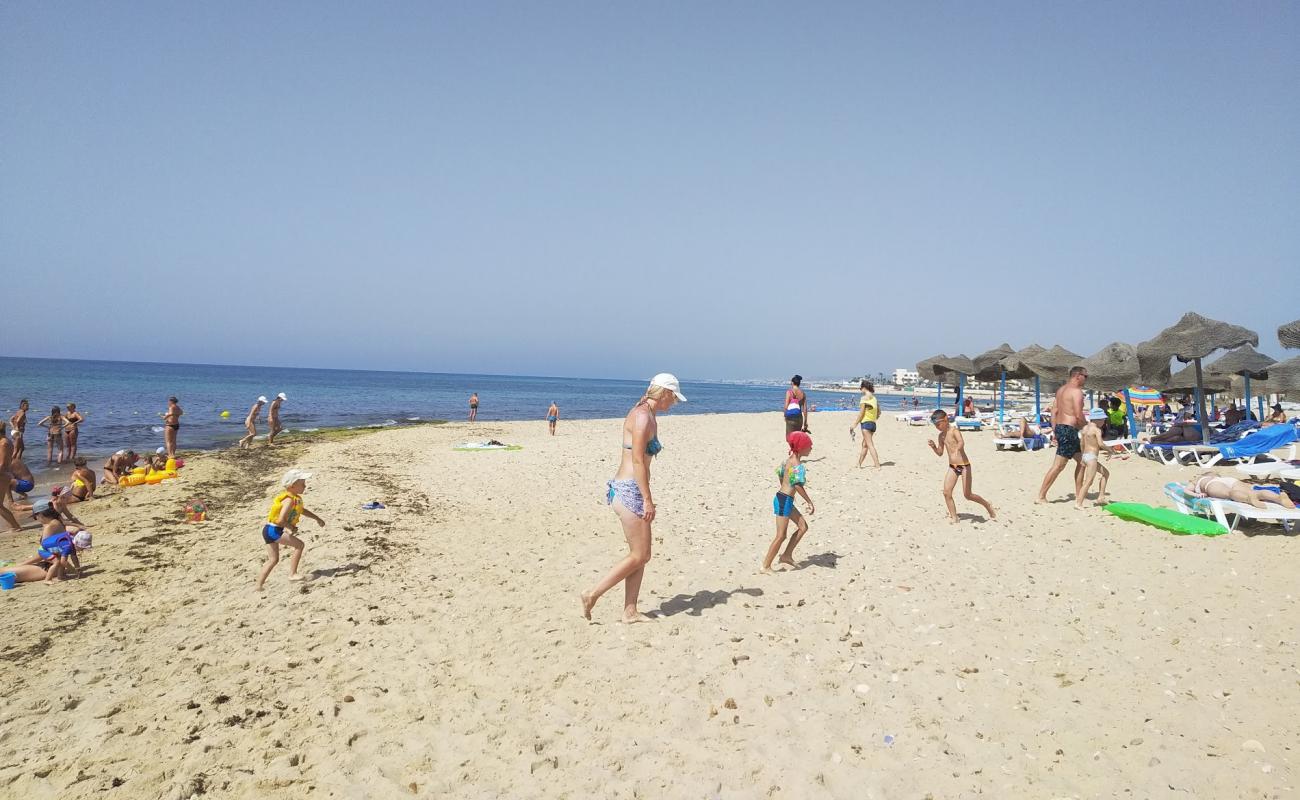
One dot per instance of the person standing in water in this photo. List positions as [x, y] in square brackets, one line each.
[629, 494]
[796, 404]
[171, 425]
[19, 423]
[552, 416]
[71, 427]
[273, 425]
[867, 415]
[250, 422]
[53, 425]
[473, 406]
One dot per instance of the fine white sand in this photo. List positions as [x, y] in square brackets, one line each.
[439, 650]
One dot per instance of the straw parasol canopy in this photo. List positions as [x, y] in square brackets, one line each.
[988, 366]
[1053, 365]
[1283, 377]
[1184, 380]
[1190, 339]
[1113, 368]
[1015, 363]
[926, 368]
[956, 365]
[1245, 360]
[1289, 335]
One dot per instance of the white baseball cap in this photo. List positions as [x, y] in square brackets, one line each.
[293, 476]
[281, 396]
[261, 398]
[667, 380]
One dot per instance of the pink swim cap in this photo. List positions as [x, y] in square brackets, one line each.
[799, 441]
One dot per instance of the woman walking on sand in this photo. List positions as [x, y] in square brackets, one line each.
[629, 494]
[796, 406]
[869, 412]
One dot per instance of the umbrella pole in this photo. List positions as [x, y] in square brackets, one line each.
[961, 390]
[1038, 405]
[1132, 420]
[1002, 399]
[1245, 401]
[1200, 405]
[1260, 418]
[938, 397]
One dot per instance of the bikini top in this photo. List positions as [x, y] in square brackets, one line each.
[652, 447]
[798, 477]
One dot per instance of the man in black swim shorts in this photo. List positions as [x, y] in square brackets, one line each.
[1067, 419]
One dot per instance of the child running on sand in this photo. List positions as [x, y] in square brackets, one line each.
[282, 524]
[951, 441]
[793, 475]
[1091, 445]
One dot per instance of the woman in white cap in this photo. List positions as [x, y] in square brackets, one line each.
[273, 418]
[250, 422]
[629, 493]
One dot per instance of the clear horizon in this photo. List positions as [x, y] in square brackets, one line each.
[723, 190]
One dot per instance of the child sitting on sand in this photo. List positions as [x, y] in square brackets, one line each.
[57, 547]
[951, 441]
[793, 475]
[1091, 445]
[282, 524]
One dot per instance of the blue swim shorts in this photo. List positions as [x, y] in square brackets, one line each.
[24, 486]
[271, 533]
[783, 504]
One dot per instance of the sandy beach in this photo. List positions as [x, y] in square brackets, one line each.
[439, 649]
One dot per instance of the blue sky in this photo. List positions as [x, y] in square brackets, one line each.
[719, 189]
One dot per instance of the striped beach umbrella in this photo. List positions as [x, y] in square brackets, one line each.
[1144, 396]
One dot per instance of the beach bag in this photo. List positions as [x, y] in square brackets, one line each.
[1035, 442]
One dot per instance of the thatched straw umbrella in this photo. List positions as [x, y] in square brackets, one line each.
[1192, 338]
[988, 367]
[1114, 368]
[1054, 364]
[1247, 362]
[926, 369]
[1289, 335]
[1283, 377]
[1184, 380]
[958, 365]
[1016, 366]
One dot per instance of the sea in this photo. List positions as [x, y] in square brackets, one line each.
[122, 401]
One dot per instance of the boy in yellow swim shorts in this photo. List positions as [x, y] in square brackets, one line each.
[282, 524]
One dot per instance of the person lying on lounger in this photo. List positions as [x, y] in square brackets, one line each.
[1210, 484]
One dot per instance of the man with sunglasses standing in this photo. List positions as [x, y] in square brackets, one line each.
[1067, 419]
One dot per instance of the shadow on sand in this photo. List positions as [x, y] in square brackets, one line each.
[827, 560]
[336, 572]
[695, 604]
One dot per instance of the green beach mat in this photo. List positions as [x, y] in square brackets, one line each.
[1167, 519]
[481, 449]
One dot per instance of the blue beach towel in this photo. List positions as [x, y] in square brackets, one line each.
[1262, 441]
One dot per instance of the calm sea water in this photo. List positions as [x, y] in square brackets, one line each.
[122, 400]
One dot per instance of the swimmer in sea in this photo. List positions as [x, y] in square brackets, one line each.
[19, 423]
[951, 442]
[171, 425]
[250, 422]
[71, 424]
[629, 494]
[552, 416]
[273, 418]
[53, 425]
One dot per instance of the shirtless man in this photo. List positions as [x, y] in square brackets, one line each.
[119, 466]
[1091, 447]
[1067, 419]
[22, 481]
[552, 416]
[71, 424]
[273, 418]
[952, 442]
[473, 406]
[171, 425]
[250, 422]
[19, 423]
[6, 459]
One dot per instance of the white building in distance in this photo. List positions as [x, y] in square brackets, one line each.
[904, 377]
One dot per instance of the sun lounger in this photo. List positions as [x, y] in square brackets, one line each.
[1222, 510]
[1125, 445]
[969, 424]
[1267, 470]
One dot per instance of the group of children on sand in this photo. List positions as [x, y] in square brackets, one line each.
[57, 554]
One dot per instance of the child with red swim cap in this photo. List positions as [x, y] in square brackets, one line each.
[793, 475]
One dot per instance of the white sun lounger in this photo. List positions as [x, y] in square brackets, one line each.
[1126, 444]
[1266, 470]
[1222, 510]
